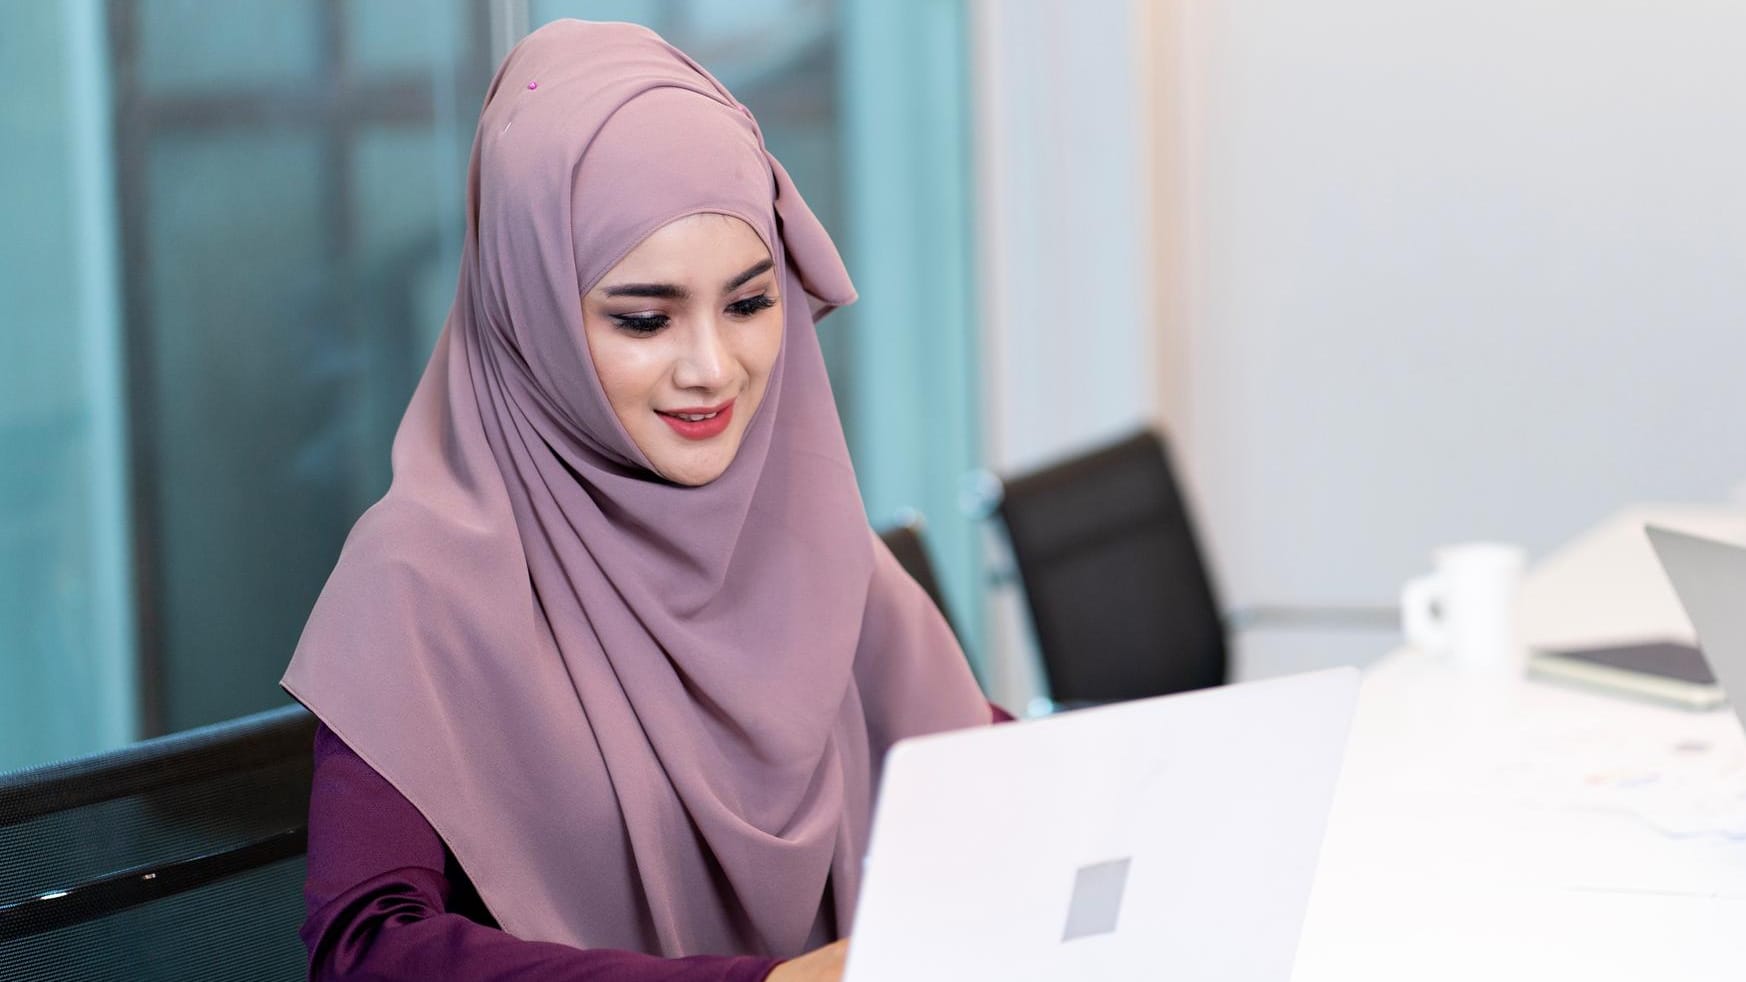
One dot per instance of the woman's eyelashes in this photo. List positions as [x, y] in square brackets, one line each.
[644, 325]
[751, 305]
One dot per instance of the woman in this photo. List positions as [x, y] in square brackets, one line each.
[606, 677]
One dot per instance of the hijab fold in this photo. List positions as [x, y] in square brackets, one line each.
[641, 715]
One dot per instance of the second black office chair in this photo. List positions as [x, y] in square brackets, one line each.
[177, 858]
[1114, 577]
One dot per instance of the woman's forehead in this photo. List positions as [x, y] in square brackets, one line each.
[694, 250]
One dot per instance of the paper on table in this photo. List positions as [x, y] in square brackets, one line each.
[1540, 786]
[1679, 787]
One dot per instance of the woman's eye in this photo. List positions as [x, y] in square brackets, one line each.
[751, 305]
[640, 323]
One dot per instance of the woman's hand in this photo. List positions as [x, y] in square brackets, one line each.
[822, 965]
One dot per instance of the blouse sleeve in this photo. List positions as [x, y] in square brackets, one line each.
[386, 900]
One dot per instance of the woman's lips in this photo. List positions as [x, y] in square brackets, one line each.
[704, 422]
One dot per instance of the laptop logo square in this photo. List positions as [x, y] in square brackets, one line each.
[1097, 899]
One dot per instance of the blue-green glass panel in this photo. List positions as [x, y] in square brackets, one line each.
[915, 402]
[408, 226]
[652, 13]
[65, 684]
[405, 185]
[202, 46]
[403, 35]
[250, 362]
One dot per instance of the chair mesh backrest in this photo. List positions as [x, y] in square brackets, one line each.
[905, 542]
[1118, 593]
[178, 858]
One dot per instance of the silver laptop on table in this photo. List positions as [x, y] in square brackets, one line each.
[1169, 838]
[1710, 579]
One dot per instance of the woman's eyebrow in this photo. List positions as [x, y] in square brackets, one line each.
[660, 291]
[740, 280]
[670, 291]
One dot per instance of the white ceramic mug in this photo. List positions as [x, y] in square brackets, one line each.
[1465, 609]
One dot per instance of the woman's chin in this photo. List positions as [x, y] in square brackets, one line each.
[695, 466]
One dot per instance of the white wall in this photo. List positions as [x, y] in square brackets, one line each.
[1407, 273]
[1063, 242]
[1063, 247]
[1447, 269]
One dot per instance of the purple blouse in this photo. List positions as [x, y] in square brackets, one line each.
[387, 900]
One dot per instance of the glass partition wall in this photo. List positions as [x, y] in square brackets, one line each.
[233, 238]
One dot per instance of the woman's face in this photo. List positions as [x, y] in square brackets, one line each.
[683, 333]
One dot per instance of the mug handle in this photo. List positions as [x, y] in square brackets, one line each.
[1421, 615]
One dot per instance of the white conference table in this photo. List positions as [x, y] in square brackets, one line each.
[1502, 828]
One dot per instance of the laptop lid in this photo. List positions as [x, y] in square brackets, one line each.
[1710, 579]
[1173, 837]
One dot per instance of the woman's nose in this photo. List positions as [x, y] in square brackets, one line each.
[704, 364]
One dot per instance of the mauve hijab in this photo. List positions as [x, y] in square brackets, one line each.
[642, 715]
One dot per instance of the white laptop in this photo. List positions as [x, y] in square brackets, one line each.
[1710, 578]
[1168, 838]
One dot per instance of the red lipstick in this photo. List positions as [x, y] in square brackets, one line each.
[713, 420]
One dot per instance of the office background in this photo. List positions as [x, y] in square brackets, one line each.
[1390, 274]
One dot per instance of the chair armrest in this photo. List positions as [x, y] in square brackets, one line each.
[1324, 618]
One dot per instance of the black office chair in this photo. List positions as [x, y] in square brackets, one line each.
[1114, 578]
[905, 542]
[177, 858]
